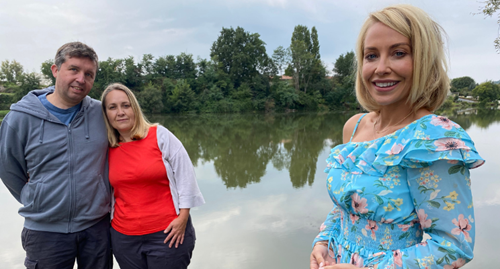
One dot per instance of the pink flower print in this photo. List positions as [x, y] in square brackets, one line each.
[443, 144]
[456, 264]
[362, 163]
[359, 204]
[354, 218]
[339, 253]
[372, 226]
[404, 227]
[422, 218]
[463, 226]
[389, 221]
[396, 148]
[322, 227]
[443, 122]
[352, 157]
[356, 260]
[340, 158]
[398, 257]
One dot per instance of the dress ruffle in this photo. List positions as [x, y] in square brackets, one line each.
[414, 146]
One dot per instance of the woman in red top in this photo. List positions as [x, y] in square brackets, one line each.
[154, 187]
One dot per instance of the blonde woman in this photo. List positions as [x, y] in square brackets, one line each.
[154, 187]
[402, 170]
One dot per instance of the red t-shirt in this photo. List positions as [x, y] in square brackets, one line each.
[143, 202]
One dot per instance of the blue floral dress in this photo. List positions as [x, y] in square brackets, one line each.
[388, 191]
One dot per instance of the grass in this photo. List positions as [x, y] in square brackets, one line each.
[3, 113]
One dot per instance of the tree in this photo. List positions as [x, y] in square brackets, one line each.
[487, 92]
[239, 54]
[281, 58]
[462, 84]
[286, 96]
[344, 66]
[29, 82]
[146, 67]
[490, 8]
[11, 72]
[151, 99]
[132, 73]
[47, 71]
[182, 97]
[306, 62]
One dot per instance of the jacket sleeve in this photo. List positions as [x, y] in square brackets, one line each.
[13, 168]
[181, 175]
[443, 201]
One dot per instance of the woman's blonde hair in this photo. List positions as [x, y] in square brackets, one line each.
[430, 84]
[141, 125]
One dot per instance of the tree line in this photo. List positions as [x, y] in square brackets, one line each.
[239, 77]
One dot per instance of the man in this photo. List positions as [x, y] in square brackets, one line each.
[53, 148]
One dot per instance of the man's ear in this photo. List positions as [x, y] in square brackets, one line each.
[54, 70]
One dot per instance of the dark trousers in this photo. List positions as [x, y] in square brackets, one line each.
[47, 250]
[149, 252]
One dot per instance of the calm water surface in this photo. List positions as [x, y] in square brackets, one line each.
[263, 181]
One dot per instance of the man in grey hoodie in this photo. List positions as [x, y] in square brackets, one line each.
[53, 148]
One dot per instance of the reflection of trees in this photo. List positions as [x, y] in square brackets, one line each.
[483, 118]
[241, 146]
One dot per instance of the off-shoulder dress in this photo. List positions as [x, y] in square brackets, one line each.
[389, 191]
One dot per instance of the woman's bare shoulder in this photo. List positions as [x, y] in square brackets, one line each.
[349, 127]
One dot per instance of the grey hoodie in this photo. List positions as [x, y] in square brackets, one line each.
[58, 172]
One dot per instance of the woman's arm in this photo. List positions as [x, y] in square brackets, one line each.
[443, 202]
[180, 171]
[319, 255]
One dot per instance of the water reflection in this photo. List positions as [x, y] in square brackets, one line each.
[262, 177]
[483, 118]
[242, 146]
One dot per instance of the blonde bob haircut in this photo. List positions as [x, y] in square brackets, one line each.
[141, 125]
[430, 84]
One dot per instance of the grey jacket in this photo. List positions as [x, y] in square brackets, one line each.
[58, 172]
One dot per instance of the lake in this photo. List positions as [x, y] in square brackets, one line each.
[262, 178]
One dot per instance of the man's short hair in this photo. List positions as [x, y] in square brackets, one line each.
[75, 49]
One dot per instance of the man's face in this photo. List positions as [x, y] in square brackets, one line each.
[73, 80]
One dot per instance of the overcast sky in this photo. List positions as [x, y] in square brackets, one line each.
[31, 31]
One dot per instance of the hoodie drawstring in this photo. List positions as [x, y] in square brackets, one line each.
[41, 131]
[86, 126]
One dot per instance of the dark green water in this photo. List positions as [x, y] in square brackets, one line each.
[263, 181]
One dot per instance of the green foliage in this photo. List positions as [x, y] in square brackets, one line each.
[285, 95]
[151, 99]
[47, 71]
[182, 97]
[345, 66]
[11, 72]
[487, 92]
[6, 99]
[240, 54]
[281, 59]
[463, 85]
[29, 82]
[489, 9]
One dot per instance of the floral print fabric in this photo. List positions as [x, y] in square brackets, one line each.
[387, 192]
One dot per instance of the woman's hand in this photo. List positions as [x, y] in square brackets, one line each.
[177, 228]
[320, 257]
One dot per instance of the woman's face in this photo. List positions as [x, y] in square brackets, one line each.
[119, 112]
[387, 65]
